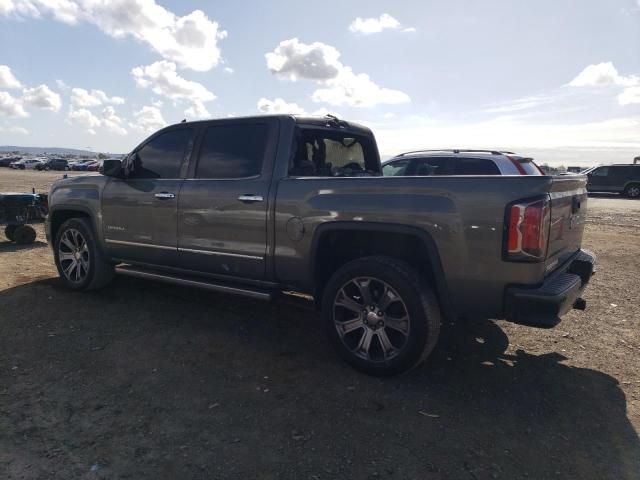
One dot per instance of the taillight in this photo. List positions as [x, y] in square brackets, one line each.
[527, 230]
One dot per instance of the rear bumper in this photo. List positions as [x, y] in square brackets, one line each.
[543, 306]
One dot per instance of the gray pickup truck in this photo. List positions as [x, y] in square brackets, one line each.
[265, 205]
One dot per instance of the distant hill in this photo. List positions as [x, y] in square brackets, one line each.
[42, 150]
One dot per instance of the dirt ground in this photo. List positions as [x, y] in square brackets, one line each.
[143, 380]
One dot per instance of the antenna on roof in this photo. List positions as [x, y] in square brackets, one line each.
[184, 120]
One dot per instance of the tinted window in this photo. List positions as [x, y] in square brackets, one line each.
[431, 166]
[475, 166]
[162, 156]
[600, 172]
[395, 169]
[232, 151]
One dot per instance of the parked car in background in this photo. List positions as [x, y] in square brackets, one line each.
[6, 161]
[95, 166]
[54, 164]
[459, 162]
[31, 163]
[17, 164]
[620, 178]
[82, 165]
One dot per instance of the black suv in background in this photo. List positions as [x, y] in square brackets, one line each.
[54, 164]
[623, 178]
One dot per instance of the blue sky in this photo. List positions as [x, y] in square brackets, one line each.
[560, 79]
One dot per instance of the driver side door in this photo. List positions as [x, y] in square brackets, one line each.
[140, 211]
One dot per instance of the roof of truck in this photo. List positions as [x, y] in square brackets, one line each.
[326, 121]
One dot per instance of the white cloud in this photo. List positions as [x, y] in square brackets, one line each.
[83, 98]
[7, 79]
[293, 59]
[319, 62]
[90, 121]
[630, 95]
[42, 97]
[18, 130]
[279, 105]
[148, 119]
[190, 41]
[197, 111]
[112, 122]
[84, 118]
[228, 70]
[11, 106]
[368, 26]
[162, 79]
[602, 74]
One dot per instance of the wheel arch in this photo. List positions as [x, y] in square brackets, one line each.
[58, 216]
[361, 239]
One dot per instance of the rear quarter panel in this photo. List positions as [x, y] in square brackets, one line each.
[463, 215]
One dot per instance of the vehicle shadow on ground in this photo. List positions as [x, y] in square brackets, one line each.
[8, 246]
[155, 381]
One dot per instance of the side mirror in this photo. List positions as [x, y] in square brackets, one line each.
[112, 168]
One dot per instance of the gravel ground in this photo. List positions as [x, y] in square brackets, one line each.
[143, 380]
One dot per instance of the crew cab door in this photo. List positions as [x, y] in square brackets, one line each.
[140, 211]
[223, 204]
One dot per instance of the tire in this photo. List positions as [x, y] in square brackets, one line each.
[393, 345]
[9, 231]
[79, 258]
[24, 235]
[633, 190]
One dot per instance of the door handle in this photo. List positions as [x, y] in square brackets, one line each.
[165, 195]
[251, 198]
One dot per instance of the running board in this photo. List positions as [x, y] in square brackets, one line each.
[192, 281]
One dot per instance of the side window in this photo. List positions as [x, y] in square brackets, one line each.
[431, 166]
[395, 169]
[232, 151]
[475, 166]
[162, 156]
[600, 172]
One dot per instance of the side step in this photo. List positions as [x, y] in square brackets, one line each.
[193, 281]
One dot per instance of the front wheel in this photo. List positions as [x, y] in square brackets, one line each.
[381, 315]
[79, 259]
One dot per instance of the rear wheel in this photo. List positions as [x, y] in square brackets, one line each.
[633, 190]
[79, 259]
[381, 315]
[24, 235]
[9, 230]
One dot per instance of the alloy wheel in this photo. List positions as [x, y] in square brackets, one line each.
[73, 255]
[371, 319]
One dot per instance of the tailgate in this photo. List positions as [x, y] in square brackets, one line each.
[568, 213]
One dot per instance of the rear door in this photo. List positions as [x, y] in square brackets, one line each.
[140, 211]
[222, 221]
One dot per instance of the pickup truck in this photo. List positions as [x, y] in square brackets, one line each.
[262, 206]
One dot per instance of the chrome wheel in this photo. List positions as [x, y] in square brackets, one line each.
[634, 191]
[371, 319]
[73, 255]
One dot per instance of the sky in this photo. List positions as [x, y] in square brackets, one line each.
[559, 79]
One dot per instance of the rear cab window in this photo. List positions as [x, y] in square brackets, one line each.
[320, 152]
